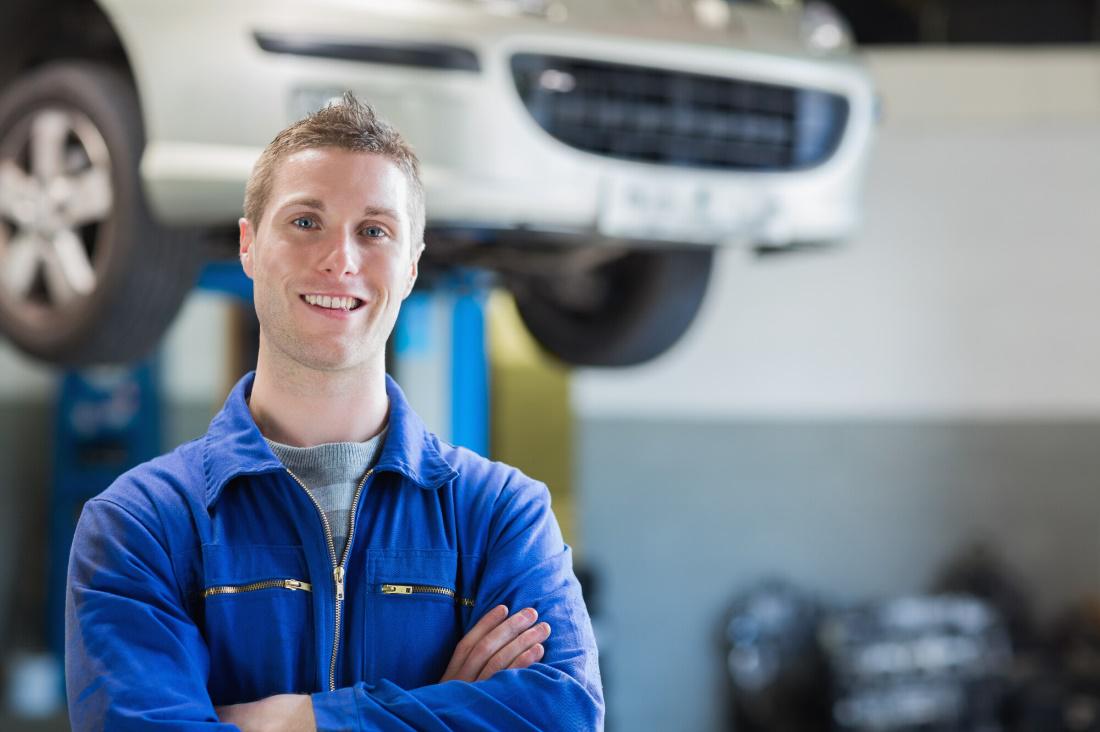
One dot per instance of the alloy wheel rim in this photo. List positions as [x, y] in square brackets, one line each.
[55, 197]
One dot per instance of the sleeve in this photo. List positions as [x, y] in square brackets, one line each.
[528, 564]
[134, 660]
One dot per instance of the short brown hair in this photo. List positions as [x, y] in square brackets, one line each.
[348, 124]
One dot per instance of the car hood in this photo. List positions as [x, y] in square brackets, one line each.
[744, 26]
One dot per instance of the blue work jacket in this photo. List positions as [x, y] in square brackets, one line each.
[208, 577]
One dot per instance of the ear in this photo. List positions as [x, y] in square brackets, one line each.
[247, 239]
[414, 270]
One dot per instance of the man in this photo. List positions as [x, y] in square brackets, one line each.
[318, 560]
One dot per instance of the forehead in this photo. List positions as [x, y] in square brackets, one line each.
[340, 178]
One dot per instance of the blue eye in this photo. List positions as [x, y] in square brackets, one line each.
[304, 222]
[374, 232]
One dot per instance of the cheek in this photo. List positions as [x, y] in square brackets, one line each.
[267, 285]
[270, 272]
[385, 273]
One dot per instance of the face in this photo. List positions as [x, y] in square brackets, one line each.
[331, 259]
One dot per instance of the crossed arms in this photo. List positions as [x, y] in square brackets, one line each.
[496, 643]
[135, 659]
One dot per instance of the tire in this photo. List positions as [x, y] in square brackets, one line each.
[113, 306]
[625, 312]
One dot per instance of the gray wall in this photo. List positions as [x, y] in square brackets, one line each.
[679, 516]
[24, 425]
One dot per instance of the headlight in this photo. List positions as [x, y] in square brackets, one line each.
[824, 29]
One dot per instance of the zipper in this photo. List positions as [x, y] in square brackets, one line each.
[426, 589]
[338, 566]
[286, 584]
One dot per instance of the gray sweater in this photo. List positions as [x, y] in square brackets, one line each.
[332, 472]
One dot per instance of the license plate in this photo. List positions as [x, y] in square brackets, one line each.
[679, 211]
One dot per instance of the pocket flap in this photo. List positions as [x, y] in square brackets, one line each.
[436, 568]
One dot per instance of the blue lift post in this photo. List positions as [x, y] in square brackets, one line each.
[109, 419]
[440, 350]
[470, 372]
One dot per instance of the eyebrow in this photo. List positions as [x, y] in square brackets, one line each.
[320, 206]
[307, 202]
[381, 211]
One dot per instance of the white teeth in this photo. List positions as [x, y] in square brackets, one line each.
[332, 303]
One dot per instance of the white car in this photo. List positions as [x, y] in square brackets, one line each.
[593, 153]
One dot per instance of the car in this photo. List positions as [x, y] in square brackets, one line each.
[595, 155]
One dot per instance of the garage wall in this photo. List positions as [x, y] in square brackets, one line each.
[849, 418]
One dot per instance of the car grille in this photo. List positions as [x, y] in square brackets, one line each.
[676, 118]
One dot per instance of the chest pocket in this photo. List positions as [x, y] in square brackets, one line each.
[258, 622]
[417, 607]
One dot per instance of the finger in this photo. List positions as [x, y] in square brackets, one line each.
[531, 655]
[496, 639]
[488, 621]
[503, 658]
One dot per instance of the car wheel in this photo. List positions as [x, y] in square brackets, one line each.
[86, 276]
[621, 313]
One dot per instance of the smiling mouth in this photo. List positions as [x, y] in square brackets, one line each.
[333, 303]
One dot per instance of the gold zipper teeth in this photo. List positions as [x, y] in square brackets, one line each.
[286, 584]
[390, 589]
[411, 589]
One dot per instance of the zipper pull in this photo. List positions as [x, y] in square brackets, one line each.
[291, 584]
[338, 575]
[397, 589]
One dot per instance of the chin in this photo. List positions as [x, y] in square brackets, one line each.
[318, 354]
[318, 358]
[319, 362]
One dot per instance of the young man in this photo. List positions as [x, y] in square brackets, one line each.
[318, 560]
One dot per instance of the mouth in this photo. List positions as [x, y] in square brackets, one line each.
[330, 302]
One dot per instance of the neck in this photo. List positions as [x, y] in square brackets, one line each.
[304, 407]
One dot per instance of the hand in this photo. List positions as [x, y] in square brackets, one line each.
[279, 713]
[496, 643]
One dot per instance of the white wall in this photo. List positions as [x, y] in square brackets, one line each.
[973, 289]
[22, 378]
[196, 349]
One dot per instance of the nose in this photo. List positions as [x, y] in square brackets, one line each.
[341, 255]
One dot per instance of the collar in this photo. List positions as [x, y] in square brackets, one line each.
[234, 446]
